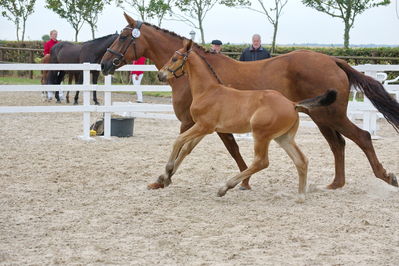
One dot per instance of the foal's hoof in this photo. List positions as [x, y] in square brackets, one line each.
[222, 191]
[155, 186]
[245, 187]
[393, 180]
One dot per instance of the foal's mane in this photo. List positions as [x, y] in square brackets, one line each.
[211, 69]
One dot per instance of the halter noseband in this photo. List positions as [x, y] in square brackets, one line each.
[173, 71]
[117, 61]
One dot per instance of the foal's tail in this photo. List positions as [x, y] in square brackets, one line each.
[373, 90]
[323, 100]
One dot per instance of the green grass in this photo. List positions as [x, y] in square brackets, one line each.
[18, 81]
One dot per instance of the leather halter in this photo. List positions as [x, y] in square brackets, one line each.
[173, 71]
[117, 61]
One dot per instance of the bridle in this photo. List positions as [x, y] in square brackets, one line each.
[135, 35]
[173, 71]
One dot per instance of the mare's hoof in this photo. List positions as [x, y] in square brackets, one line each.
[393, 180]
[155, 186]
[335, 186]
[75, 103]
[58, 101]
[96, 103]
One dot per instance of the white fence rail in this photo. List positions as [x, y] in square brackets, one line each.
[355, 108]
[138, 110]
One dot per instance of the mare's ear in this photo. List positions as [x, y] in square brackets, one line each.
[187, 44]
[129, 20]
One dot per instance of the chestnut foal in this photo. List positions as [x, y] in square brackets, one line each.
[218, 108]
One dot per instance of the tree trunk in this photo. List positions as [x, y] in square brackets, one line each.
[23, 30]
[346, 35]
[76, 35]
[92, 31]
[274, 37]
[17, 31]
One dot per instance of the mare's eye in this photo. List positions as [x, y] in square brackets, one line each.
[122, 37]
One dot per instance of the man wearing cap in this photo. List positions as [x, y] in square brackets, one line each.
[255, 51]
[216, 46]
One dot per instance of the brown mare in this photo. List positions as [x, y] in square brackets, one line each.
[297, 75]
[266, 113]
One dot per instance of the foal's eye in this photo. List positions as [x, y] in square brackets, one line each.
[174, 59]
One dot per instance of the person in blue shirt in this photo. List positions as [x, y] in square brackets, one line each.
[255, 51]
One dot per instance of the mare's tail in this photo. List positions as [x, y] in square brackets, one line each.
[373, 90]
[323, 100]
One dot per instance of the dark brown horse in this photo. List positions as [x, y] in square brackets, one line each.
[90, 51]
[297, 75]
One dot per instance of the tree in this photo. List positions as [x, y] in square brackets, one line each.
[71, 10]
[148, 8]
[346, 10]
[91, 11]
[272, 14]
[17, 11]
[194, 13]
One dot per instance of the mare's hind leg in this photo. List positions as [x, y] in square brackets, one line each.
[231, 145]
[337, 146]
[287, 142]
[261, 161]
[363, 139]
[195, 132]
[95, 75]
[185, 150]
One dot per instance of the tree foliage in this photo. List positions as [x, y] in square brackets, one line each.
[347, 10]
[148, 9]
[18, 12]
[91, 12]
[71, 10]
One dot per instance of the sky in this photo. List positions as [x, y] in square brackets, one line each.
[298, 24]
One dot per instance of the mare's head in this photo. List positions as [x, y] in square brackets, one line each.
[127, 47]
[175, 66]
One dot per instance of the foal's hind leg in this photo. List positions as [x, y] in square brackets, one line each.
[287, 142]
[231, 145]
[363, 139]
[261, 161]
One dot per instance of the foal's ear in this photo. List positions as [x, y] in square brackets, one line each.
[129, 20]
[187, 44]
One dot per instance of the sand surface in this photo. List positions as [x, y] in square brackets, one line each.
[67, 201]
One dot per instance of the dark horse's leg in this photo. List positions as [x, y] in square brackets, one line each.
[78, 80]
[95, 79]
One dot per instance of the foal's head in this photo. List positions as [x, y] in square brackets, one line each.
[125, 48]
[175, 66]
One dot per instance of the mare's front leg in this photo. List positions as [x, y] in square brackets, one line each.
[183, 145]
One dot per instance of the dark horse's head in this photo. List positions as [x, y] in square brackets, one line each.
[126, 48]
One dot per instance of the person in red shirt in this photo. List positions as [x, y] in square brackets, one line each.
[53, 40]
[137, 76]
[46, 59]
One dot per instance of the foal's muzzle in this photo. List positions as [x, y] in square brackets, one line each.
[162, 76]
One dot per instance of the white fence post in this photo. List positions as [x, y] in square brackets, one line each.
[107, 102]
[86, 103]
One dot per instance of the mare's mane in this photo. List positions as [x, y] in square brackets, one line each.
[211, 69]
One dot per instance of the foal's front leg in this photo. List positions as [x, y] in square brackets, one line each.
[191, 138]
